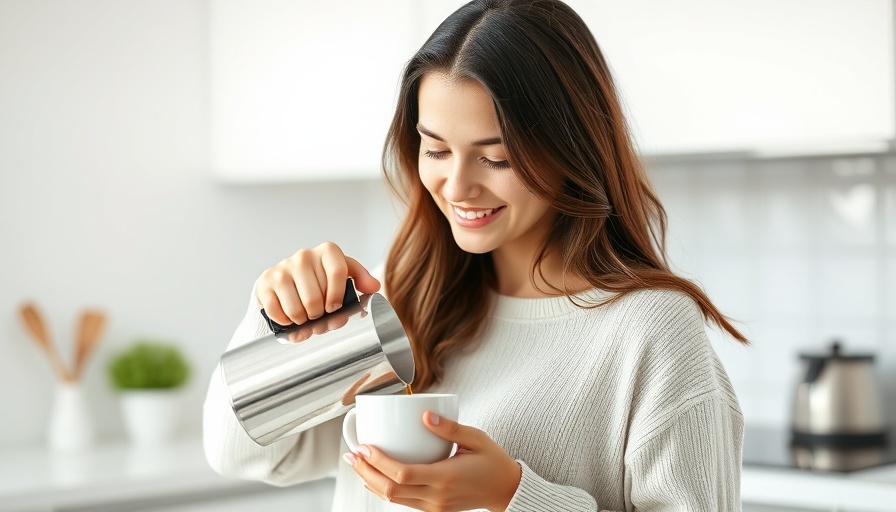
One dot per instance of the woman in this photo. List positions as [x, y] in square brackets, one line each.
[530, 276]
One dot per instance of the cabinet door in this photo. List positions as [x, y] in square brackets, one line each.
[304, 90]
[704, 76]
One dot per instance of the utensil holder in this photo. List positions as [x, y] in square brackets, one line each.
[70, 428]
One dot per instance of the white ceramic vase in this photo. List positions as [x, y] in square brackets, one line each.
[70, 428]
[151, 417]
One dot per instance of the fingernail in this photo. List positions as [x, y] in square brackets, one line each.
[349, 458]
[434, 418]
[332, 307]
[365, 451]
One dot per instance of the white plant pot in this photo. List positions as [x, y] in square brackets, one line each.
[151, 417]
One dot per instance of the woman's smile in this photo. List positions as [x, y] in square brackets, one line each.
[475, 217]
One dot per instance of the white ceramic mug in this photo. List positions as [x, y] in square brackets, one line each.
[394, 424]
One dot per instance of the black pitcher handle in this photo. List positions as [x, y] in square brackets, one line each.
[351, 297]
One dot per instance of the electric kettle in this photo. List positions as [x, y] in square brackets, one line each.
[838, 403]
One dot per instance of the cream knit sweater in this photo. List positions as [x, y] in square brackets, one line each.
[621, 407]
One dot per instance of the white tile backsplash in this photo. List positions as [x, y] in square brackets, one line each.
[849, 287]
[775, 346]
[724, 211]
[782, 282]
[728, 279]
[889, 295]
[787, 211]
[800, 251]
[888, 217]
[848, 215]
[765, 403]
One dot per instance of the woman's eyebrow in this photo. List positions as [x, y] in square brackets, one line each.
[484, 142]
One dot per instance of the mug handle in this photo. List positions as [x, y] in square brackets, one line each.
[350, 431]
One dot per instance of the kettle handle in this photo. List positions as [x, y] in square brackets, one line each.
[351, 297]
[814, 370]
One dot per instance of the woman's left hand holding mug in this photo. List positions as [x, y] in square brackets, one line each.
[480, 475]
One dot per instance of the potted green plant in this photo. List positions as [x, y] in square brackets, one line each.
[148, 376]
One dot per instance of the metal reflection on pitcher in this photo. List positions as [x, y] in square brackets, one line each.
[300, 376]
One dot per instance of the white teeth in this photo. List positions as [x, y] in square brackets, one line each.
[471, 215]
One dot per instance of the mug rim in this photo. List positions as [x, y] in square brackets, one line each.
[415, 395]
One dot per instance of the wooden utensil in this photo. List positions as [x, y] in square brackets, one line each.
[35, 325]
[89, 332]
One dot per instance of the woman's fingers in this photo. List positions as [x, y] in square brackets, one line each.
[335, 270]
[375, 481]
[277, 295]
[384, 487]
[309, 284]
[364, 281]
[464, 436]
[400, 473]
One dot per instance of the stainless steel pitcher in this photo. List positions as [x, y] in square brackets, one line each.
[303, 375]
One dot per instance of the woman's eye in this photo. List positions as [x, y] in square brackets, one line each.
[492, 164]
[437, 155]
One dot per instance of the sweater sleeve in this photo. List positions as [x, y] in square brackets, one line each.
[231, 452]
[536, 494]
[690, 466]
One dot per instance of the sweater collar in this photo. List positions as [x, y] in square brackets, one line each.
[505, 306]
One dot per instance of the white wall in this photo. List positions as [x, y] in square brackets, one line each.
[106, 199]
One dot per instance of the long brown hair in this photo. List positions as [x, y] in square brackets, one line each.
[567, 141]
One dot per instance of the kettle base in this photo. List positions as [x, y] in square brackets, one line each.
[841, 440]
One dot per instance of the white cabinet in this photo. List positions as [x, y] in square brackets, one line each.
[802, 76]
[304, 90]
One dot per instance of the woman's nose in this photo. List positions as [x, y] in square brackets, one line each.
[461, 182]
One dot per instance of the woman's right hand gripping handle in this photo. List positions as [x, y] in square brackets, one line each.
[310, 283]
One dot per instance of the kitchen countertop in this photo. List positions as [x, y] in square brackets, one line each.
[771, 476]
[868, 490]
[111, 475]
[115, 473]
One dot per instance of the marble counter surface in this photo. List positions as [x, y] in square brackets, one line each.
[33, 479]
[110, 476]
[869, 490]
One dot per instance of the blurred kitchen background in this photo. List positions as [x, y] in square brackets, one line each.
[156, 157]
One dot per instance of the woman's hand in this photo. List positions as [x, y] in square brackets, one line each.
[309, 283]
[480, 475]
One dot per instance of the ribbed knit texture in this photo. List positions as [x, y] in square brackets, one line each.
[621, 407]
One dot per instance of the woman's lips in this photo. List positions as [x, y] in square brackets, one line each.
[475, 217]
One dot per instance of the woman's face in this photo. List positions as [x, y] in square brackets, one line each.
[463, 164]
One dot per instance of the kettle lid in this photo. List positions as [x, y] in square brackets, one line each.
[835, 353]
